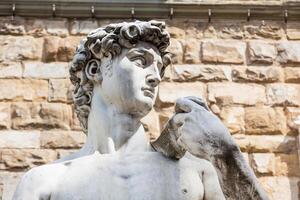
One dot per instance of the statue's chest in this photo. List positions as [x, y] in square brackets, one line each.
[136, 177]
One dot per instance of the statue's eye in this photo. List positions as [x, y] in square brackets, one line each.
[139, 61]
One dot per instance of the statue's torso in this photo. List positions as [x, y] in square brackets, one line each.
[137, 176]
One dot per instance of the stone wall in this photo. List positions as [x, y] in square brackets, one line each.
[249, 73]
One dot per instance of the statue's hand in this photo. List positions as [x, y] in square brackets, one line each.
[199, 131]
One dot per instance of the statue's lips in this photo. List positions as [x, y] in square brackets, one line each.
[149, 92]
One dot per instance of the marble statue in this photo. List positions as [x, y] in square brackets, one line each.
[116, 72]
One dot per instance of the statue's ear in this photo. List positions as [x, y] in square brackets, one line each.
[93, 71]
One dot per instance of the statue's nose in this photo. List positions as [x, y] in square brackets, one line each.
[153, 80]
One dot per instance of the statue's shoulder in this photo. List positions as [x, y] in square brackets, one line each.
[39, 181]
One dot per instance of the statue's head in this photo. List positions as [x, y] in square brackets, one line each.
[122, 64]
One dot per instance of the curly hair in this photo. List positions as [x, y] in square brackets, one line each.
[108, 41]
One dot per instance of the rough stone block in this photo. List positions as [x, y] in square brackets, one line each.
[291, 114]
[176, 32]
[176, 48]
[66, 48]
[19, 139]
[292, 75]
[279, 188]
[233, 118]
[12, 27]
[192, 51]
[62, 139]
[60, 90]
[41, 116]
[4, 115]
[83, 27]
[23, 89]
[293, 31]
[287, 165]
[266, 143]
[261, 52]
[263, 163]
[283, 94]
[10, 181]
[10, 70]
[257, 74]
[42, 27]
[223, 51]
[20, 48]
[185, 73]
[289, 52]
[50, 48]
[235, 93]
[170, 92]
[263, 30]
[265, 120]
[45, 70]
[230, 30]
[25, 159]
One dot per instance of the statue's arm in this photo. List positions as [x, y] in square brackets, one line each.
[202, 134]
[212, 188]
[26, 189]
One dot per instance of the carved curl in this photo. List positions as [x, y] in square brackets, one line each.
[108, 41]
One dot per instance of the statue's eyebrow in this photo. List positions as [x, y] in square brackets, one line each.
[143, 52]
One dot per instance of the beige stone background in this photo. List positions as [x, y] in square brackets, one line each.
[249, 73]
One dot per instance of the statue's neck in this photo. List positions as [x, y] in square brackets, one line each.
[110, 131]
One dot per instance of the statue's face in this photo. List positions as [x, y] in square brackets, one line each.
[130, 81]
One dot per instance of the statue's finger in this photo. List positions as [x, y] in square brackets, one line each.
[185, 105]
[178, 120]
[199, 101]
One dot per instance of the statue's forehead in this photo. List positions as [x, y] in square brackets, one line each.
[145, 46]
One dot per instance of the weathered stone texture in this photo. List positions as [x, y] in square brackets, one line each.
[187, 73]
[289, 52]
[265, 120]
[66, 48]
[261, 52]
[42, 27]
[62, 139]
[4, 115]
[169, 92]
[281, 187]
[176, 49]
[12, 27]
[20, 48]
[293, 31]
[291, 114]
[234, 93]
[292, 75]
[19, 139]
[223, 52]
[60, 90]
[263, 163]
[83, 27]
[263, 30]
[233, 118]
[287, 165]
[24, 159]
[192, 51]
[266, 143]
[257, 74]
[41, 70]
[283, 94]
[22, 89]
[10, 70]
[41, 116]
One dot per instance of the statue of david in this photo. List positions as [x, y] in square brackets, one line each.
[116, 72]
